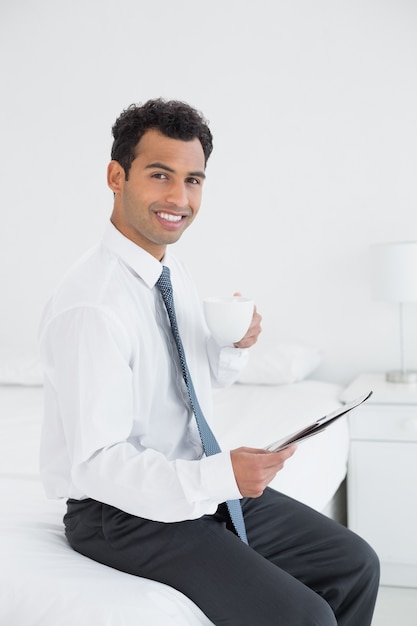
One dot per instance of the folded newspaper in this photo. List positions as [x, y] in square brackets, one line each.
[318, 426]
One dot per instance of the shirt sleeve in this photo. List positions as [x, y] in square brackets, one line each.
[86, 358]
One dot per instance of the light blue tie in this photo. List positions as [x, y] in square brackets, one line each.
[208, 440]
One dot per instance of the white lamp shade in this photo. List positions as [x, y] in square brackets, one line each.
[395, 271]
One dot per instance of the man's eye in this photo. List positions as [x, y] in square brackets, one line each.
[159, 176]
[193, 181]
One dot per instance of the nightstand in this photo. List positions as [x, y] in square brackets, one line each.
[382, 474]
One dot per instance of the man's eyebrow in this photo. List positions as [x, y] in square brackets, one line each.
[162, 166]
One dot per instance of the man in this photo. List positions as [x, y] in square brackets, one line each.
[120, 440]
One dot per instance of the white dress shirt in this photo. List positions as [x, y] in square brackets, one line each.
[117, 426]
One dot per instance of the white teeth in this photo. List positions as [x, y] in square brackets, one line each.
[169, 217]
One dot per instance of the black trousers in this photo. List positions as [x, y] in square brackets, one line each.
[301, 569]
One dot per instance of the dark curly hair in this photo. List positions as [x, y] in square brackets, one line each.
[172, 118]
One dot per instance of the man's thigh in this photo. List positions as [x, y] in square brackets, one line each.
[232, 584]
[295, 537]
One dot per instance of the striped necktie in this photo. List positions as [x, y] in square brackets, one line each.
[208, 439]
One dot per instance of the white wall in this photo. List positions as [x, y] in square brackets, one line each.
[313, 106]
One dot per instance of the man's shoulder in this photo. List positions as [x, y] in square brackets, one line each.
[86, 280]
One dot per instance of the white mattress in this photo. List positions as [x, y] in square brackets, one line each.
[43, 582]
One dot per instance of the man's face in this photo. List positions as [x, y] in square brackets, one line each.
[162, 195]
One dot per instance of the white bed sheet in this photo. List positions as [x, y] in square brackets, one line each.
[43, 582]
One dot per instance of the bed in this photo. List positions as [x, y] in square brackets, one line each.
[43, 582]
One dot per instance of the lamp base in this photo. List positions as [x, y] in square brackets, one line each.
[401, 376]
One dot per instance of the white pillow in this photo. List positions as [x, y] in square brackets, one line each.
[279, 364]
[20, 368]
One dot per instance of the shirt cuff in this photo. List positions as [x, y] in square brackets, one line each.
[218, 478]
[226, 363]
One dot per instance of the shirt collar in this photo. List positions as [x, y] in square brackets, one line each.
[143, 263]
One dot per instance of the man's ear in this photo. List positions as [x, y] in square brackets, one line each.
[115, 176]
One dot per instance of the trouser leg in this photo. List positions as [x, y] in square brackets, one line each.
[322, 554]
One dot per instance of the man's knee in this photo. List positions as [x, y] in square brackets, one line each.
[321, 613]
[365, 559]
[315, 612]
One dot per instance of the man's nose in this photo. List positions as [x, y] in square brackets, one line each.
[177, 194]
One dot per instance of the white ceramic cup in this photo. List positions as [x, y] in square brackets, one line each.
[228, 319]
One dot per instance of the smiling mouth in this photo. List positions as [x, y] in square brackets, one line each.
[169, 217]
